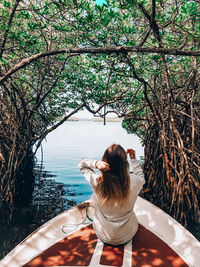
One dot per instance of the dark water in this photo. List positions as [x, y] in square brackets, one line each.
[59, 184]
[48, 200]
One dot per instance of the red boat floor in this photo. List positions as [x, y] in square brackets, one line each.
[77, 250]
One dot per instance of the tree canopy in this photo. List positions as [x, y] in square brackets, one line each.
[140, 59]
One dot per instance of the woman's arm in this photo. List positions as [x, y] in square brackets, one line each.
[87, 164]
[87, 167]
[137, 170]
[137, 176]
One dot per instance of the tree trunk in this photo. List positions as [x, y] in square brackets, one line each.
[16, 185]
[172, 168]
[16, 162]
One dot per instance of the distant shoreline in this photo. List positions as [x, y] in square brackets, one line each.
[95, 119]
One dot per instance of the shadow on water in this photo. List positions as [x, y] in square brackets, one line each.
[49, 199]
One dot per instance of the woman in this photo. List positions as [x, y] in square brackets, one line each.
[115, 194]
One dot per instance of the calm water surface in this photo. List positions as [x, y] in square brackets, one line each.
[62, 152]
[59, 184]
[83, 139]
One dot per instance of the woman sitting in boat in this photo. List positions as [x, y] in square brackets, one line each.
[115, 191]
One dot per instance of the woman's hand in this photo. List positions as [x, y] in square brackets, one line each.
[131, 153]
[102, 166]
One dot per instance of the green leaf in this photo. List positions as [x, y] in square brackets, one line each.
[132, 2]
[5, 62]
[6, 4]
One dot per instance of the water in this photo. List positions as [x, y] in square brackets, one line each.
[73, 141]
[59, 183]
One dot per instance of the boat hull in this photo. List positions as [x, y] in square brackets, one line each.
[69, 240]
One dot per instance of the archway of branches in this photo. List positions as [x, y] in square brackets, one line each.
[139, 59]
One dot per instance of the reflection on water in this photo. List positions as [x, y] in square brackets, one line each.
[59, 185]
[49, 199]
[84, 139]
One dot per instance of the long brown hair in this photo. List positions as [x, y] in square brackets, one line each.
[114, 184]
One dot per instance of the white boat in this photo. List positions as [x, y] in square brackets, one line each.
[69, 240]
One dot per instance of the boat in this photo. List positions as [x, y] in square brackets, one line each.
[69, 240]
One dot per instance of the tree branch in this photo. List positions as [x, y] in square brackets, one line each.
[8, 25]
[42, 136]
[98, 50]
[145, 37]
[151, 19]
[52, 87]
[145, 83]
[105, 103]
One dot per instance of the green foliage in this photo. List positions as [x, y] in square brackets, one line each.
[146, 88]
[6, 4]
[40, 26]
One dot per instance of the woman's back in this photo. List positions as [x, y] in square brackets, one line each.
[114, 219]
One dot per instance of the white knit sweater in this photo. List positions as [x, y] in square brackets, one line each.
[112, 224]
